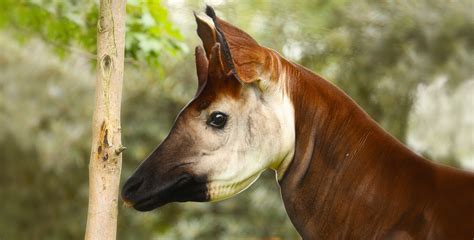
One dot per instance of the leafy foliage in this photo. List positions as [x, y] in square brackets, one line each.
[71, 26]
[149, 33]
[60, 23]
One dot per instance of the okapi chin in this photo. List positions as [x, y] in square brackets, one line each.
[341, 175]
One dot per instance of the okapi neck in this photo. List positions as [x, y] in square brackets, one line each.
[343, 161]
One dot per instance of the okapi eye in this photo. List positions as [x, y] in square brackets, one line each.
[217, 120]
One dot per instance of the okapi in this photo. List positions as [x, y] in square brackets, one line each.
[341, 175]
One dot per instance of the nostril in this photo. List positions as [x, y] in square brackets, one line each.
[131, 186]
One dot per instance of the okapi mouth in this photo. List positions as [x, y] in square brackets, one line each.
[182, 189]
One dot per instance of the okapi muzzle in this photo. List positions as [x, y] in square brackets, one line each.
[166, 176]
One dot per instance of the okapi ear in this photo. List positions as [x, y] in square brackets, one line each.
[216, 68]
[243, 55]
[206, 31]
[218, 76]
[201, 66]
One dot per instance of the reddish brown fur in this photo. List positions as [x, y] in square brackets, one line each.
[349, 179]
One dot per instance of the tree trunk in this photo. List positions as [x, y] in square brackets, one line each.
[106, 158]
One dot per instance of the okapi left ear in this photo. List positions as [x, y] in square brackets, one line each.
[242, 54]
[206, 31]
[216, 67]
[210, 36]
[219, 76]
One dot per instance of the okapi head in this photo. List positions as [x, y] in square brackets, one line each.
[239, 123]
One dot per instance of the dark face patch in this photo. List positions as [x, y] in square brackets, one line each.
[183, 188]
[167, 174]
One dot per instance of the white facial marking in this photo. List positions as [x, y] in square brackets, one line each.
[259, 135]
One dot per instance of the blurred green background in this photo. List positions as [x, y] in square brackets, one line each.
[407, 63]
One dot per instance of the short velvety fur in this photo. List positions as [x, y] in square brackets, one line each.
[350, 179]
[347, 179]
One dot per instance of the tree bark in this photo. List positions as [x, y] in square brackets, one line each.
[106, 158]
